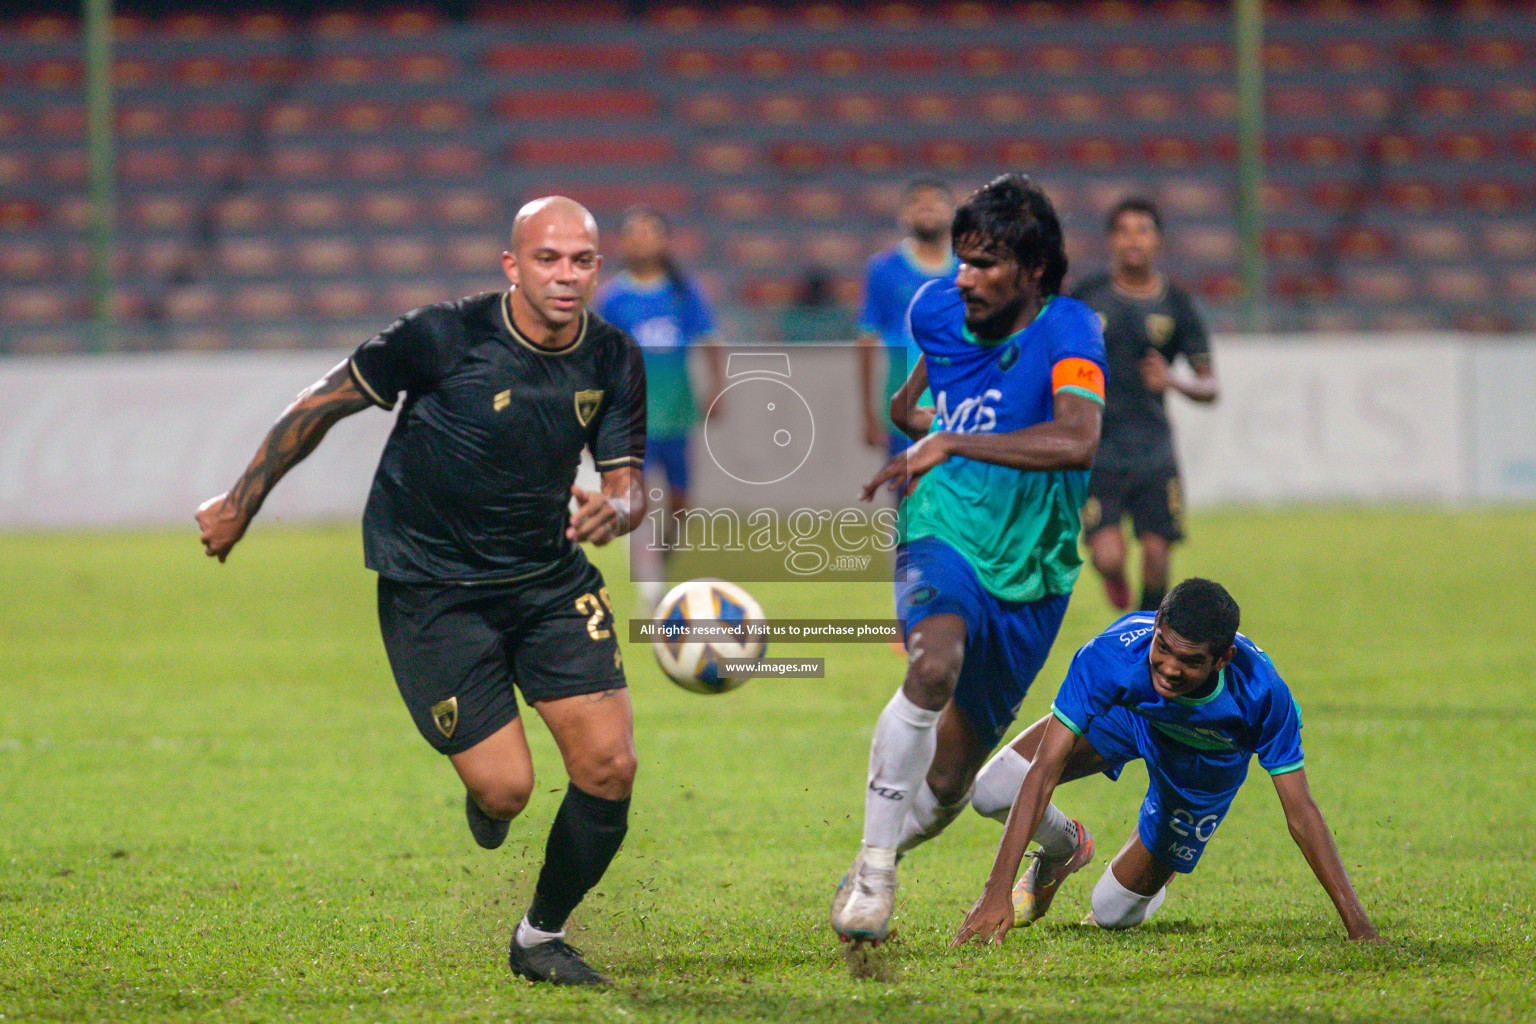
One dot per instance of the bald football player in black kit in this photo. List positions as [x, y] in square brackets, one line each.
[482, 580]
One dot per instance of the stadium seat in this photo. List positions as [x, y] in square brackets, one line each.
[1378, 285]
[766, 62]
[302, 163]
[389, 208]
[139, 120]
[897, 14]
[781, 108]
[201, 71]
[1023, 154]
[548, 58]
[741, 202]
[37, 305]
[1469, 147]
[1511, 240]
[1495, 53]
[271, 67]
[799, 156]
[402, 255]
[162, 212]
[931, 108]
[1515, 98]
[1363, 243]
[1439, 240]
[1217, 102]
[835, 248]
[770, 292]
[262, 24]
[468, 207]
[26, 260]
[1523, 145]
[1444, 99]
[579, 105]
[1208, 244]
[1193, 197]
[317, 209]
[1059, 59]
[407, 295]
[838, 62]
[1005, 106]
[711, 109]
[1426, 54]
[291, 118]
[243, 212]
[613, 197]
[374, 163]
[1040, 13]
[160, 258]
[450, 160]
[757, 248]
[194, 303]
[1133, 60]
[1171, 152]
[340, 300]
[151, 165]
[566, 151]
[61, 123]
[198, 337]
[1520, 283]
[422, 68]
[328, 255]
[1458, 285]
[439, 115]
[947, 156]
[134, 72]
[1095, 153]
[818, 203]
[250, 256]
[1078, 106]
[474, 253]
[1320, 149]
[1206, 58]
[364, 117]
[1413, 196]
[53, 74]
[67, 167]
[875, 156]
[726, 156]
[212, 119]
[677, 17]
[1153, 106]
[1284, 58]
[339, 24]
[1350, 56]
[410, 22]
[693, 63]
[1408, 319]
[750, 17]
[986, 61]
[857, 108]
[16, 166]
[1301, 102]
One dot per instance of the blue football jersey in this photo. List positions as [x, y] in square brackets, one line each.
[1250, 713]
[664, 319]
[891, 279]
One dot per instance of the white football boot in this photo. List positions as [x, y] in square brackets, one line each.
[864, 902]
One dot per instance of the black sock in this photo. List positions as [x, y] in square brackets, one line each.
[586, 834]
[1152, 597]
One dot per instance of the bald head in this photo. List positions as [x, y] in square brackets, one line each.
[565, 216]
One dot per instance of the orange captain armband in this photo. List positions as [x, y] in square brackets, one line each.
[1079, 376]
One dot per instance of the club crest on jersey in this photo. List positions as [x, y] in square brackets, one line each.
[1159, 328]
[923, 594]
[445, 715]
[501, 401]
[1008, 358]
[586, 405]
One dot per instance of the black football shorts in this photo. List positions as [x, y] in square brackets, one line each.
[1152, 497]
[457, 651]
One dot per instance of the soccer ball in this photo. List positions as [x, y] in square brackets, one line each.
[694, 664]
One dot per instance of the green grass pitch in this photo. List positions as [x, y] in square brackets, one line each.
[214, 808]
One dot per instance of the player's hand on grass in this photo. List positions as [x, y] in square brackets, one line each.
[904, 470]
[989, 920]
[595, 520]
[1154, 372]
[222, 524]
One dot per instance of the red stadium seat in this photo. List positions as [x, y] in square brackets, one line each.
[1320, 149]
[1444, 99]
[26, 261]
[799, 156]
[162, 212]
[1171, 151]
[163, 257]
[931, 108]
[693, 63]
[212, 119]
[897, 14]
[709, 108]
[410, 22]
[1368, 100]
[45, 28]
[726, 156]
[55, 123]
[970, 13]
[389, 208]
[1513, 98]
[1303, 285]
[1436, 241]
[347, 69]
[193, 303]
[1078, 106]
[152, 165]
[1350, 56]
[1288, 245]
[37, 305]
[17, 214]
[987, 61]
[1496, 53]
[10, 123]
[251, 256]
[835, 248]
[1005, 106]
[781, 108]
[291, 118]
[1299, 101]
[1509, 240]
[220, 162]
[474, 254]
[1424, 53]
[1206, 59]
[767, 62]
[186, 26]
[340, 300]
[910, 60]
[313, 210]
[1333, 195]
[678, 17]
[243, 212]
[374, 163]
[402, 254]
[1022, 154]
[328, 256]
[302, 163]
[362, 117]
[1408, 319]
[1218, 102]
[450, 160]
[522, 58]
[564, 150]
[858, 107]
[1095, 153]
[263, 24]
[1492, 195]
[818, 203]
[1059, 59]
[947, 156]
[128, 25]
[582, 105]
[1153, 106]
[469, 207]
[201, 72]
[750, 17]
[1363, 243]
[271, 67]
[757, 249]
[1193, 197]
[424, 67]
[881, 199]
[741, 202]
[1524, 145]
[1133, 59]
[139, 120]
[875, 156]
[1395, 149]
[1466, 146]
[16, 166]
[132, 72]
[1520, 283]
[612, 197]
[766, 292]
[1039, 13]
[1285, 58]
[1458, 285]
[440, 115]
[1111, 12]
[1208, 244]
[1413, 196]
[339, 24]
[54, 73]
[67, 167]
[1220, 287]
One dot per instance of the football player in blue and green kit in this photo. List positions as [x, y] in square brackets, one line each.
[989, 523]
[1185, 692]
[666, 312]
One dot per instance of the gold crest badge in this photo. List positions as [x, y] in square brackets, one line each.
[446, 714]
[1159, 328]
[586, 405]
[502, 400]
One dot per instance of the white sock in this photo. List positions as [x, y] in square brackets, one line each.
[1115, 907]
[899, 757]
[527, 936]
[927, 817]
[997, 784]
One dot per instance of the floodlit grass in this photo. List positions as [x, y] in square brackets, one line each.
[214, 807]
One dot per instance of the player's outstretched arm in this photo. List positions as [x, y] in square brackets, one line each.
[910, 418]
[224, 519]
[603, 516]
[992, 915]
[1311, 833]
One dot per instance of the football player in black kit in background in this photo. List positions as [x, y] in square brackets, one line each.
[1148, 322]
[482, 580]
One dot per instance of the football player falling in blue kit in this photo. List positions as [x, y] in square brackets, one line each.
[1194, 699]
[989, 525]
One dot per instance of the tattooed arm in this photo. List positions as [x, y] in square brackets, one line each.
[224, 518]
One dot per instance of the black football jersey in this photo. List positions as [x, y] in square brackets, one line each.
[475, 481]
[1136, 432]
